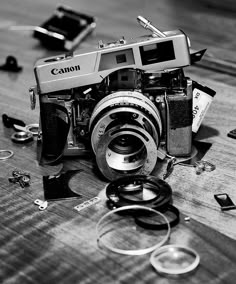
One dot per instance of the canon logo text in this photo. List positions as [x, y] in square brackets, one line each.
[56, 71]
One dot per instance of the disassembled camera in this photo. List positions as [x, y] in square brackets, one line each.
[128, 101]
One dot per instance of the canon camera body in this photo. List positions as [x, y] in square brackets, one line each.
[128, 102]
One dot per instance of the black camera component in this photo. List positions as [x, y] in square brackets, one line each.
[11, 121]
[138, 189]
[148, 220]
[23, 178]
[197, 55]
[57, 187]
[11, 65]
[232, 133]
[57, 125]
[225, 201]
[65, 29]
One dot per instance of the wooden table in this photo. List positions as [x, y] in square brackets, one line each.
[59, 245]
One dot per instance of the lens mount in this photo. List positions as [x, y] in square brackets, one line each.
[115, 164]
[124, 107]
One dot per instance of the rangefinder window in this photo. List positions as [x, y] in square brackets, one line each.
[157, 52]
[117, 58]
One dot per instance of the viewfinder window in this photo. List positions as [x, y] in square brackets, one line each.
[157, 52]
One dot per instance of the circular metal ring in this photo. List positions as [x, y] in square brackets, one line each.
[147, 223]
[11, 153]
[131, 251]
[33, 128]
[22, 137]
[127, 98]
[142, 120]
[102, 155]
[119, 194]
[140, 110]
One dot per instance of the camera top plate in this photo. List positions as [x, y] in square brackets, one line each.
[91, 66]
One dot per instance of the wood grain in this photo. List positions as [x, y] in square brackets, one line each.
[59, 245]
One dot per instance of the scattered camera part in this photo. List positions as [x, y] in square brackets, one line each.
[232, 133]
[11, 65]
[6, 154]
[87, 203]
[187, 219]
[43, 204]
[225, 201]
[9, 121]
[169, 167]
[127, 211]
[56, 187]
[139, 189]
[148, 221]
[174, 259]
[199, 150]
[31, 128]
[203, 165]
[22, 137]
[23, 178]
[65, 29]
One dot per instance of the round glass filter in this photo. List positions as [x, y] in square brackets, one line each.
[174, 259]
[118, 231]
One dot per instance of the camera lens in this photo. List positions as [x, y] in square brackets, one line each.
[125, 132]
[126, 144]
[126, 153]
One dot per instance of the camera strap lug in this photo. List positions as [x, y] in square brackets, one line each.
[32, 93]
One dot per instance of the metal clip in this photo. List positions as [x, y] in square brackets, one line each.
[169, 167]
[20, 177]
[32, 93]
[204, 166]
[41, 203]
[87, 203]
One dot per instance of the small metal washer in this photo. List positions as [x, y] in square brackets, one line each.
[33, 128]
[11, 153]
[22, 137]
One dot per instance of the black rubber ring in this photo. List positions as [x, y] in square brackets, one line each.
[146, 225]
[162, 190]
